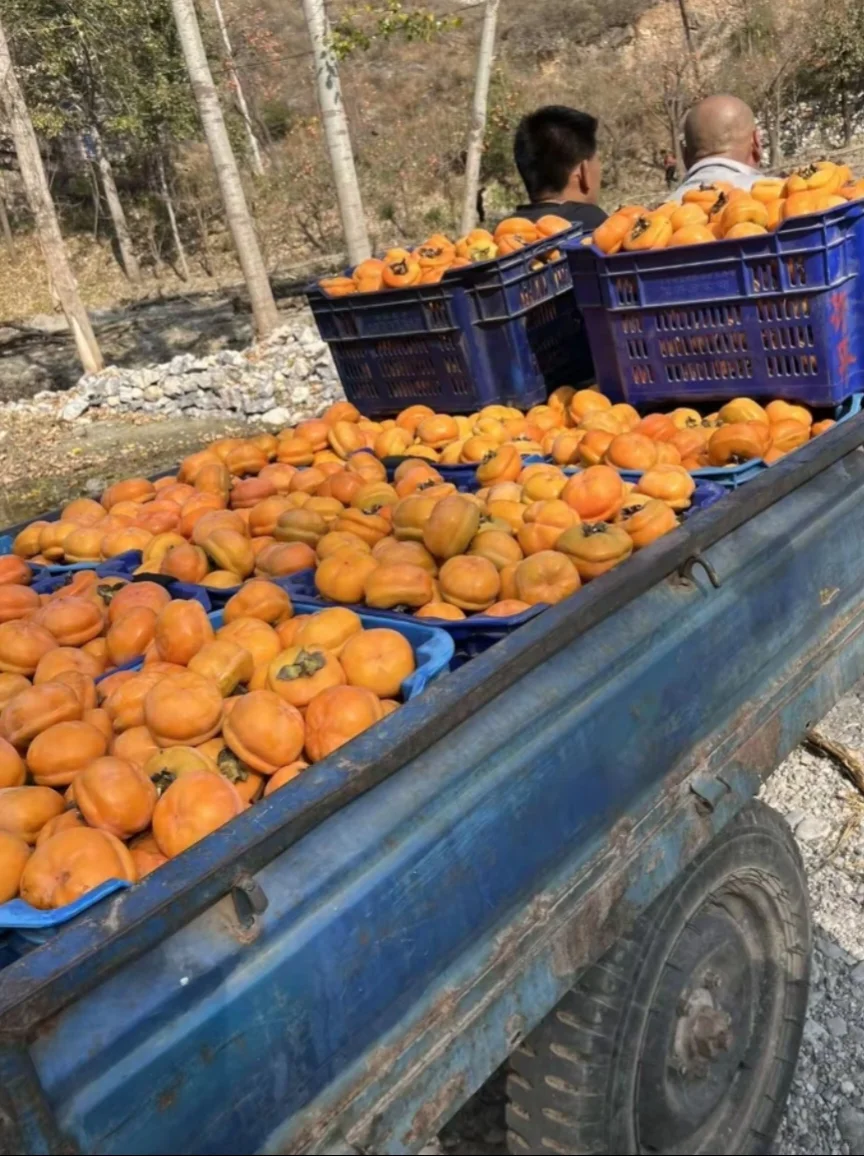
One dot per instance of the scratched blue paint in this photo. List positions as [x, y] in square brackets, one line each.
[208, 1044]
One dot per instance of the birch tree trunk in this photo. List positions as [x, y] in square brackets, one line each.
[775, 149]
[337, 133]
[115, 208]
[8, 239]
[477, 132]
[63, 282]
[168, 202]
[254, 147]
[228, 175]
[688, 37]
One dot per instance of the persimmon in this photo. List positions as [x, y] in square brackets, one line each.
[596, 494]
[337, 286]
[648, 232]
[265, 731]
[647, 521]
[610, 236]
[342, 576]
[298, 674]
[595, 548]
[145, 854]
[129, 637]
[115, 795]
[182, 628]
[61, 751]
[338, 715]
[379, 659]
[671, 484]
[183, 709]
[14, 853]
[13, 771]
[225, 663]
[440, 610]
[125, 702]
[392, 585]
[744, 229]
[260, 599]
[24, 811]
[71, 863]
[545, 577]
[254, 635]
[37, 708]
[285, 775]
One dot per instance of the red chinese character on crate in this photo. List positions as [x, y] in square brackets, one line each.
[837, 314]
[846, 359]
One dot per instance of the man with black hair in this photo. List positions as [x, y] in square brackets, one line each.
[556, 155]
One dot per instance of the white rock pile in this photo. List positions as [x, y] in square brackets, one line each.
[277, 382]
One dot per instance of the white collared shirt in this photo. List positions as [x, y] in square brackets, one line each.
[711, 169]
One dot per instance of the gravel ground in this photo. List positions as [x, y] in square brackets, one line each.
[825, 1115]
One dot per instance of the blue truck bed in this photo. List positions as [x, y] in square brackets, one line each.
[340, 968]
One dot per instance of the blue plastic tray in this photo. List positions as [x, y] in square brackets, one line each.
[6, 548]
[731, 477]
[474, 635]
[433, 649]
[499, 331]
[8, 536]
[464, 477]
[122, 564]
[780, 314]
[47, 583]
[18, 915]
[471, 635]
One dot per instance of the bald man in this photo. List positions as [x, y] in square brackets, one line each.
[721, 143]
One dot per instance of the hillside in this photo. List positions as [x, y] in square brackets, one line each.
[628, 61]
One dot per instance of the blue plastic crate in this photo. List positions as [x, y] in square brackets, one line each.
[498, 331]
[767, 316]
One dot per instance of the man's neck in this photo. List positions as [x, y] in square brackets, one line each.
[567, 197]
[747, 163]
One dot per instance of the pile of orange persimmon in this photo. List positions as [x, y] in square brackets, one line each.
[427, 264]
[105, 777]
[227, 513]
[583, 427]
[719, 211]
[110, 777]
[530, 535]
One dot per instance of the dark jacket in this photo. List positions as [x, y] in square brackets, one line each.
[589, 216]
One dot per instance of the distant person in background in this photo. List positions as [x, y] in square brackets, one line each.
[670, 170]
[556, 155]
[721, 143]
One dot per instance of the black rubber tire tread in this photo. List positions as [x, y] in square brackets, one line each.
[566, 1090]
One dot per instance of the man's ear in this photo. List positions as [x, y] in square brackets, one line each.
[756, 148]
[581, 174]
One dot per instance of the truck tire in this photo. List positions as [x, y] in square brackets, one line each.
[684, 1037]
